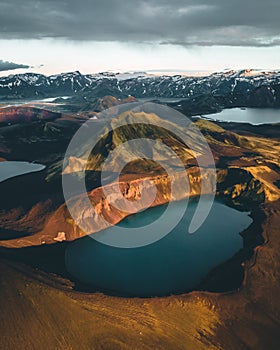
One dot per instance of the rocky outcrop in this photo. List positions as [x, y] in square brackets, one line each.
[249, 190]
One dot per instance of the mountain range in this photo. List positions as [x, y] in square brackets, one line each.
[242, 87]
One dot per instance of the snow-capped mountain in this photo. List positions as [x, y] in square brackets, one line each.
[142, 85]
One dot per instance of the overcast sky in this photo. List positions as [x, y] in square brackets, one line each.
[50, 36]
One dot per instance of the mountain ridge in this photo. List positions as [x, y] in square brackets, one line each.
[142, 85]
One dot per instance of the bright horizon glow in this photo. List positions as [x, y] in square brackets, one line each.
[53, 56]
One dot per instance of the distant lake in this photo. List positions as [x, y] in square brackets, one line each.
[161, 99]
[176, 263]
[253, 116]
[10, 169]
[22, 102]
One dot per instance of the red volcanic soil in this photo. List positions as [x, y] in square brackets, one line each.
[26, 114]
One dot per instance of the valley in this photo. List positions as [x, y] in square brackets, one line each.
[33, 215]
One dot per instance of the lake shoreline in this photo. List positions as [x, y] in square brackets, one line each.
[33, 261]
[246, 115]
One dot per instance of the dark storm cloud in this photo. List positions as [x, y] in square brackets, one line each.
[189, 22]
[11, 66]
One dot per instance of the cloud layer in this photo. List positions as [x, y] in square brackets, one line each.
[184, 22]
[11, 66]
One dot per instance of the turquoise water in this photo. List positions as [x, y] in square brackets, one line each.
[254, 116]
[176, 263]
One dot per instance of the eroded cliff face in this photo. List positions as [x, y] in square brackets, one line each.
[105, 207]
[238, 187]
[106, 210]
